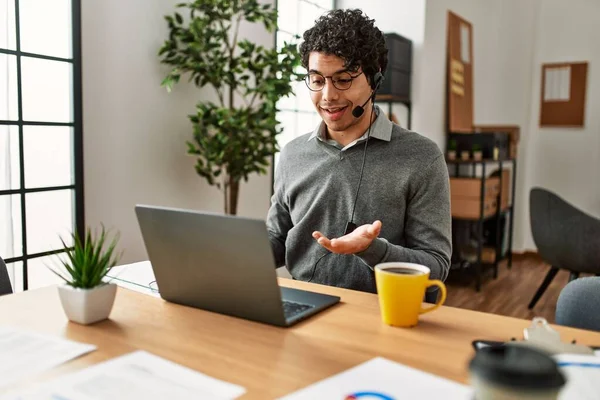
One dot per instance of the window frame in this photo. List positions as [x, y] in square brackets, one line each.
[77, 128]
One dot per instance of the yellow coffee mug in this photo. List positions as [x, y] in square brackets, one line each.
[401, 288]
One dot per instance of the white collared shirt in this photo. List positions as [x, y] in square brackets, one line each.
[380, 129]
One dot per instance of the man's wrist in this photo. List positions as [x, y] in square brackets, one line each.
[374, 253]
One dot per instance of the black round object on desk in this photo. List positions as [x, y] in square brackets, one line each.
[517, 367]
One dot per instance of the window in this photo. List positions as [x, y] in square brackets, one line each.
[296, 113]
[41, 161]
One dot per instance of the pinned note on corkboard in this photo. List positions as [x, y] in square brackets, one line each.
[457, 77]
[563, 93]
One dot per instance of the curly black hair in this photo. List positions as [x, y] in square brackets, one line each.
[350, 35]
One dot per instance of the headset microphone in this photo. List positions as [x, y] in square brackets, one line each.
[359, 110]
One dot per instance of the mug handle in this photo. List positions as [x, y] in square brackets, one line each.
[440, 301]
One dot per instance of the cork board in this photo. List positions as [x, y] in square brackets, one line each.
[459, 73]
[563, 92]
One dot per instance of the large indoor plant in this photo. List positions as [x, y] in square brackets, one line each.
[237, 136]
[86, 295]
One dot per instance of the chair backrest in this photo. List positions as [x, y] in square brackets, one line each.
[565, 236]
[578, 304]
[5, 287]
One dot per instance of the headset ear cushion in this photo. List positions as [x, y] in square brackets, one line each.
[377, 78]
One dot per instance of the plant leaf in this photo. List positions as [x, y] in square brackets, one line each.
[87, 262]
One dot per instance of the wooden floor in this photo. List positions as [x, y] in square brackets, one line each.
[511, 292]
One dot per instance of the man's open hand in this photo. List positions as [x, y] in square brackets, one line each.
[354, 242]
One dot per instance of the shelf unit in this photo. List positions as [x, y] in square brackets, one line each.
[455, 170]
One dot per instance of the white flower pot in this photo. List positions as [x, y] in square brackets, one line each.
[86, 306]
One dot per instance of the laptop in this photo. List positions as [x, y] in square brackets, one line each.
[222, 264]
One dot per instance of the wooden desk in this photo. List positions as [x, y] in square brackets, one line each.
[269, 361]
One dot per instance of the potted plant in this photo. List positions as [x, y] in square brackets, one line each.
[477, 153]
[86, 296]
[465, 155]
[452, 149]
[237, 136]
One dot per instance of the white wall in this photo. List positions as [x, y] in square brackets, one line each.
[135, 132]
[567, 160]
[407, 19]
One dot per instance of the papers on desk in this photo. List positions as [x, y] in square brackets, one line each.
[383, 379]
[24, 353]
[583, 376]
[137, 375]
[136, 277]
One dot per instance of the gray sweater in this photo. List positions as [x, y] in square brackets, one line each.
[405, 186]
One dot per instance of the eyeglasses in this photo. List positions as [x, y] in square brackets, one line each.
[341, 80]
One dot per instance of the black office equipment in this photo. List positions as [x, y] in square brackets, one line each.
[399, 68]
[396, 87]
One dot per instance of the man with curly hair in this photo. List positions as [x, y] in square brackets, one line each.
[356, 168]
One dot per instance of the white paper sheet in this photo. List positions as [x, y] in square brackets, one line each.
[583, 376]
[565, 84]
[137, 375]
[549, 84]
[24, 353]
[137, 277]
[557, 84]
[383, 379]
[465, 44]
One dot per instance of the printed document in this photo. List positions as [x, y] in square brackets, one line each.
[24, 353]
[583, 376]
[383, 379]
[137, 375]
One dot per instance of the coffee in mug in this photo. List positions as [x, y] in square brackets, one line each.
[404, 271]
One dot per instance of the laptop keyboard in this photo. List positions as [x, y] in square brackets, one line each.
[290, 308]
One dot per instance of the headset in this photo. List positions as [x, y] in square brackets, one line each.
[375, 83]
[357, 112]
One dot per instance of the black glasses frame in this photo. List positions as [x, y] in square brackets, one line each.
[352, 78]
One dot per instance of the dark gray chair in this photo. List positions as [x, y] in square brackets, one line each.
[578, 304]
[5, 287]
[566, 237]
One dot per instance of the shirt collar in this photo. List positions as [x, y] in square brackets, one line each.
[381, 129]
